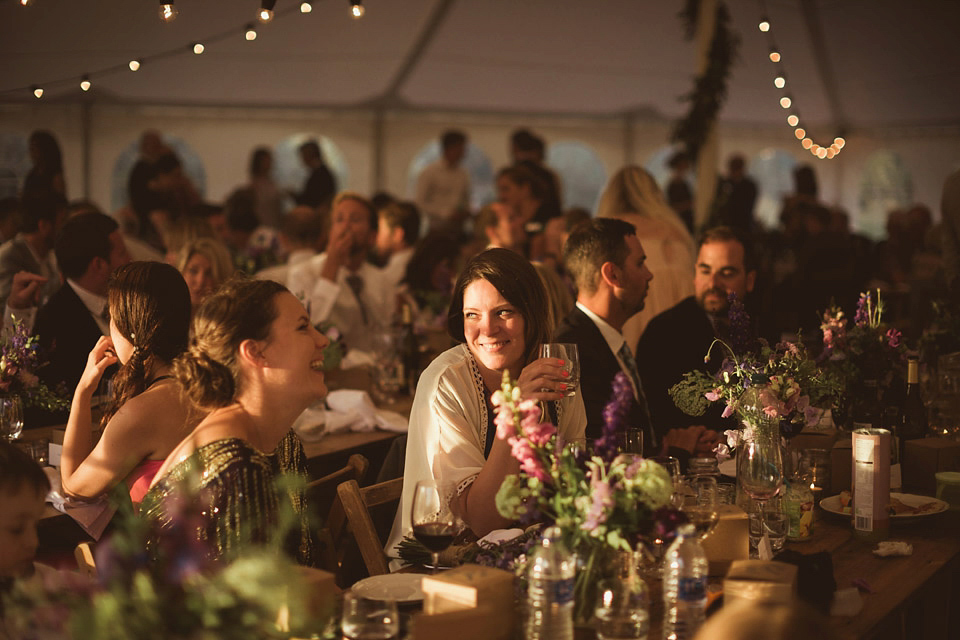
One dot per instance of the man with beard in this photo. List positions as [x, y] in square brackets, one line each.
[339, 285]
[607, 262]
[677, 340]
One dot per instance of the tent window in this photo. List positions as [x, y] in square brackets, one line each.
[772, 169]
[886, 185]
[14, 163]
[582, 173]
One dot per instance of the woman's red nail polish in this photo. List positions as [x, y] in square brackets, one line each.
[563, 386]
[563, 362]
[565, 374]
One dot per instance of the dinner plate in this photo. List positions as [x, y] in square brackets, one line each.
[832, 505]
[398, 587]
[728, 467]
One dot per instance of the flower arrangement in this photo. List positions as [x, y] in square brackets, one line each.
[334, 351]
[758, 383]
[867, 350]
[19, 360]
[604, 503]
[178, 593]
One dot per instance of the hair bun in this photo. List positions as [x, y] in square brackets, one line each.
[209, 383]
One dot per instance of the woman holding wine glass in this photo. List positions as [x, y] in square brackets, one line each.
[499, 313]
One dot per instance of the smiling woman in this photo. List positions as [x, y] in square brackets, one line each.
[499, 313]
[256, 363]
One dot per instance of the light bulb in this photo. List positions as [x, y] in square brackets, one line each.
[779, 82]
[306, 7]
[134, 65]
[251, 33]
[26, 3]
[806, 143]
[792, 120]
[356, 9]
[198, 48]
[168, 12]
[265, 15]
[821, 153]
[814, 149]
[764, 25]
[839, 142]
[830, 153]
[785, 102]
[774, 56]
[85, 83]
[800, 133]
[37, 91]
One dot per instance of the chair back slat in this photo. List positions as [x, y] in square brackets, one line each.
[356, 504]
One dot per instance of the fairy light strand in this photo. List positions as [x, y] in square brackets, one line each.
[85, 80]
[787, 100]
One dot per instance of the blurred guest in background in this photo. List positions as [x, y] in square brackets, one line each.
[32, 249]
[46, 174]
[398, 229]
[205, 264]
[679, 194]
[321, 185]
[443, 188]
[267, 197]
[11, 218]
[736, 197]
[300, 238]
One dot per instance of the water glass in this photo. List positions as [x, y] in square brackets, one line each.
[630, 441]
[672, 465]
[622, 610]
[364, 619]
[571, 362]
[774, 523]
[699, 502]
[11, 418]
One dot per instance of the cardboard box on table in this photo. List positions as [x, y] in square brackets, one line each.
[760, 581]
[729, 541]
[470, 601]
[923, 458]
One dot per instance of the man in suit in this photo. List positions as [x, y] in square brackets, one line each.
[606, 260]
[32, 250]
[89, 248]
[677, 340]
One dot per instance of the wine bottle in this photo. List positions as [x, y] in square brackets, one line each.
[914, 423]
[409, 352]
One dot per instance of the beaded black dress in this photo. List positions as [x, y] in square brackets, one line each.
[232, 498]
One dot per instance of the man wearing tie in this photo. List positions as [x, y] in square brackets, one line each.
[606, 260]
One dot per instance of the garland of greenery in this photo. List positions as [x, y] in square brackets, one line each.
[710, 88]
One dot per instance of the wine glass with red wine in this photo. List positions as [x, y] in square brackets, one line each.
[434, 524]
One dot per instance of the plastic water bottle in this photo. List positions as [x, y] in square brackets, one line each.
[550, 572]
[684, 586]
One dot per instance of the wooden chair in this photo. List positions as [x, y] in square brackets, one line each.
[356, 504]
[355, 469]
[322, 497]
[83, 552]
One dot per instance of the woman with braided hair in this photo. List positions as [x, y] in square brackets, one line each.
[149, 306]
[255, 362]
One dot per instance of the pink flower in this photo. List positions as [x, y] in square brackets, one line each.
[727, 411]
[893, 338]
[771, 411]
[504, 422]
[712, 396]
[602, 496]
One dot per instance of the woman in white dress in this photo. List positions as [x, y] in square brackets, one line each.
[499, 313]
[633, 195]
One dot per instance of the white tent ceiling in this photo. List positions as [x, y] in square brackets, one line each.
[851, 63]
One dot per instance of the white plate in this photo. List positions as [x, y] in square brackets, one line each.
[398, 587]
[832, 505]
[728, 467]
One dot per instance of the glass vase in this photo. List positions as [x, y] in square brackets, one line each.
[601, 563]
[11, 417]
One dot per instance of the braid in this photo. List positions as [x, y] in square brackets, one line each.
[130, 381]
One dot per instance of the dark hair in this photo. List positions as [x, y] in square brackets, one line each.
[167, 162]
[18, 469]
[51, 159]
[303, 225]
[242, 309]
[406, 216]
[805, 180]
[517, 281]
[256, 158]
[241, 211]
[591, 244]
[521, 175]
[81, 239]
[311, 148]
[677, 159]
[575, 216]
[150, 305]
[452, 138]
[41, 205]
[437, 247]
[729, 234]
[523, 140]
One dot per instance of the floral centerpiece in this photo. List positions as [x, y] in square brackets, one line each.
[334, 351]
[764, 386]
[19, 361]
[867, 357]
[604, 502]
[177, 592]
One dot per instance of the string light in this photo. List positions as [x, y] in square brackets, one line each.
[356, 9]
[787, 101]
[37, 91]
[306, 7]
[265, 14]
[251, 32]
[168, 11]
[197, 48]
[85, 83]
[134, 65]
[26, 3]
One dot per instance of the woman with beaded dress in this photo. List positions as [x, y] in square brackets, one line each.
[255, 362]
[149, 308]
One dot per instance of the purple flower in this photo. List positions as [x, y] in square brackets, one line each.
[893, 338]
[740, 332]
[614, 415]
[862, 318]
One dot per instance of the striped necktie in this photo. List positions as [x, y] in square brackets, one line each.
[626, 356]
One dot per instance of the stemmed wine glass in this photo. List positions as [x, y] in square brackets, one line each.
[11, 418]
[699, 502]
[760, 470]
[434, 524]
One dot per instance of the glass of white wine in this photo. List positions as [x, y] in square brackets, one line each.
[699, 503]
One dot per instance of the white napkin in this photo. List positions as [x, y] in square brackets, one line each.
[311, 424]
[892, 548]
[357, 358]
[498, 536]
[93, 517]
[353, 410]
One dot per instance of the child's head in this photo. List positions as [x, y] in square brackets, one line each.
[23, 487]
